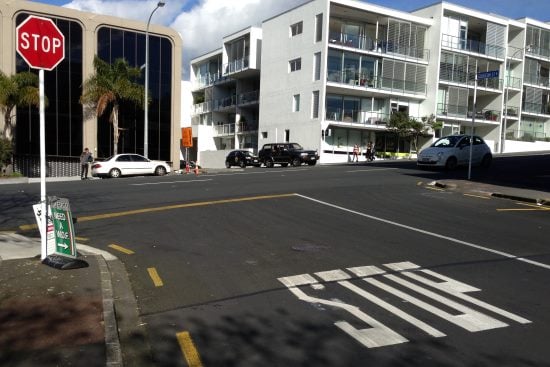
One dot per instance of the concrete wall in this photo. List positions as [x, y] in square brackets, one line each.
[213, 158]
[514, 146]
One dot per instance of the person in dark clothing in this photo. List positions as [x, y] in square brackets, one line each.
[85, 159]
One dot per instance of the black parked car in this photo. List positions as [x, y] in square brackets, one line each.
[285, 154]
[241, 158]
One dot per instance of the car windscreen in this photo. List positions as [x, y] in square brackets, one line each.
[447, 142]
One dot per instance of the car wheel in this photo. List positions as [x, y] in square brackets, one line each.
[311, 163]
[160, 171]
[114, 173]
[451, 163]
[269, 163]
[296, 162]
[242, 164]
[284, 164]
[486, 161]
[227, 164]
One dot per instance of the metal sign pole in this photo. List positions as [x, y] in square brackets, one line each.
[43, 166]
[472, 132]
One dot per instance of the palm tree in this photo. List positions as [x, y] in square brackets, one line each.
[19, 90]
[108, 87]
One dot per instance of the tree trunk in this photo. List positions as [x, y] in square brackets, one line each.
[115, 129]
[8, 127]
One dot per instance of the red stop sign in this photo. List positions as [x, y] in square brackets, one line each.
[40, 43]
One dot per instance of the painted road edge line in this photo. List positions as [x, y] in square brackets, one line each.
[124, 250]
[188, 349]
[455, 240]
[155, 277]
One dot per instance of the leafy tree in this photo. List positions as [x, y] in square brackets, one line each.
[5, 153]
[408, 127]
[108, 87]
[19, 90]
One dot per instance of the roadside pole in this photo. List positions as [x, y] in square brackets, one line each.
[474, 110]
[43, 197]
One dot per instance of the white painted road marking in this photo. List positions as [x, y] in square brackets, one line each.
[169, 182]
[428, 233]
[377, 334]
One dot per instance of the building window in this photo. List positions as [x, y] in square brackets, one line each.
[315, 104]
[264, 134]
[318, 27]
[287, 135]
[296, 29]
[296, 103]
[317, 66]
[295, 64]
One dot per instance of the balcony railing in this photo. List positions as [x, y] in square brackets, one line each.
[449, 110]
[354, 78]
[512, 82]
[457, 43]
[526, 135]
[249, 97]
[515, 52]
[247, 127]
[538, 108]
[357, 116]
[207, 80]
[227, 102]
[203, 107]
[235, 66]
[224, 130]
[538, 52]
[511, 112]
[535, 79]
[460, 77]
[369, 44]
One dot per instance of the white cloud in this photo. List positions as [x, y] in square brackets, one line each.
[202, 26]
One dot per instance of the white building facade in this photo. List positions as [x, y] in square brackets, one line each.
[332, 72]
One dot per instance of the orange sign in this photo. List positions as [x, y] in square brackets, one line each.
[187, 137]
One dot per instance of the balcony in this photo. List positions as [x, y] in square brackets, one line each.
[203, 107]
[251, 97]
[464, 112]
[511, 112]
[203, 81]
[366, 43]
[542, 53]
[225, 103]
[525, 135]
[356, 116]
[247, 127]
[236, 66]
[460, 77]
[355, 79]
[512, 82]
[224, 130]
[536, 108]
[457, 43]
[538, 80]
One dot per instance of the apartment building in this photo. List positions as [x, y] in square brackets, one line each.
[332, 73]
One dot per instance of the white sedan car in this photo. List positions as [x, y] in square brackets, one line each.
[454, 150]
[129, 164]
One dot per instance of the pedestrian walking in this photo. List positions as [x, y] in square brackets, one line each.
[370, 153]
[355, 153]
[85, 159]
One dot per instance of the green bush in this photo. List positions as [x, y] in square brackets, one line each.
[5, 153]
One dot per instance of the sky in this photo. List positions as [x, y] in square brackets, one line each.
[203, 23]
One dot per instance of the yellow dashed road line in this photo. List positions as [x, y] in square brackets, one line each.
[188, 349]
[168, 207]
[478, 196]
[121, 249]
[155, 277]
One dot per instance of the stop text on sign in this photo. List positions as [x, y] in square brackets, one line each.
[37, 42]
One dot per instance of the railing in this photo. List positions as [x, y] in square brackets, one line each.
[236, 65]
[203, 107]
[538, 52]
[353, 78]
[455, 76]
[249, 97]
[382, 46]
[511, 112]
[512, 82]
[457, 43]
[524, 135]
[226, 102]
[247, 127]
[225, 129]
[515, 52]
[444, 109]
[56, 166]
[357, 116]
[207, 80]
[536, 79]
[538, 108]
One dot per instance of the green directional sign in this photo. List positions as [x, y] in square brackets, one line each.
[63, 227]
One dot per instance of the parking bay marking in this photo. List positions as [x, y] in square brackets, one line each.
[379, 335]
[188, 349]
[428, 233]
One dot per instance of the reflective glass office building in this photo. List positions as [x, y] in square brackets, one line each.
[70, 126]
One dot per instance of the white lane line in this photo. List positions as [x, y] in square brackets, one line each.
[287, 170]
[372, 170]
[169, 182]
[428, 233]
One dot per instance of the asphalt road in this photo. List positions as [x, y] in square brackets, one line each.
[357, 265]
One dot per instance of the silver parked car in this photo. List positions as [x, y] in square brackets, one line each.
[454, 150]
[127, 165]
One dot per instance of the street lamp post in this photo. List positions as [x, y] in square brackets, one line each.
[160, 4]
[503, 132]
